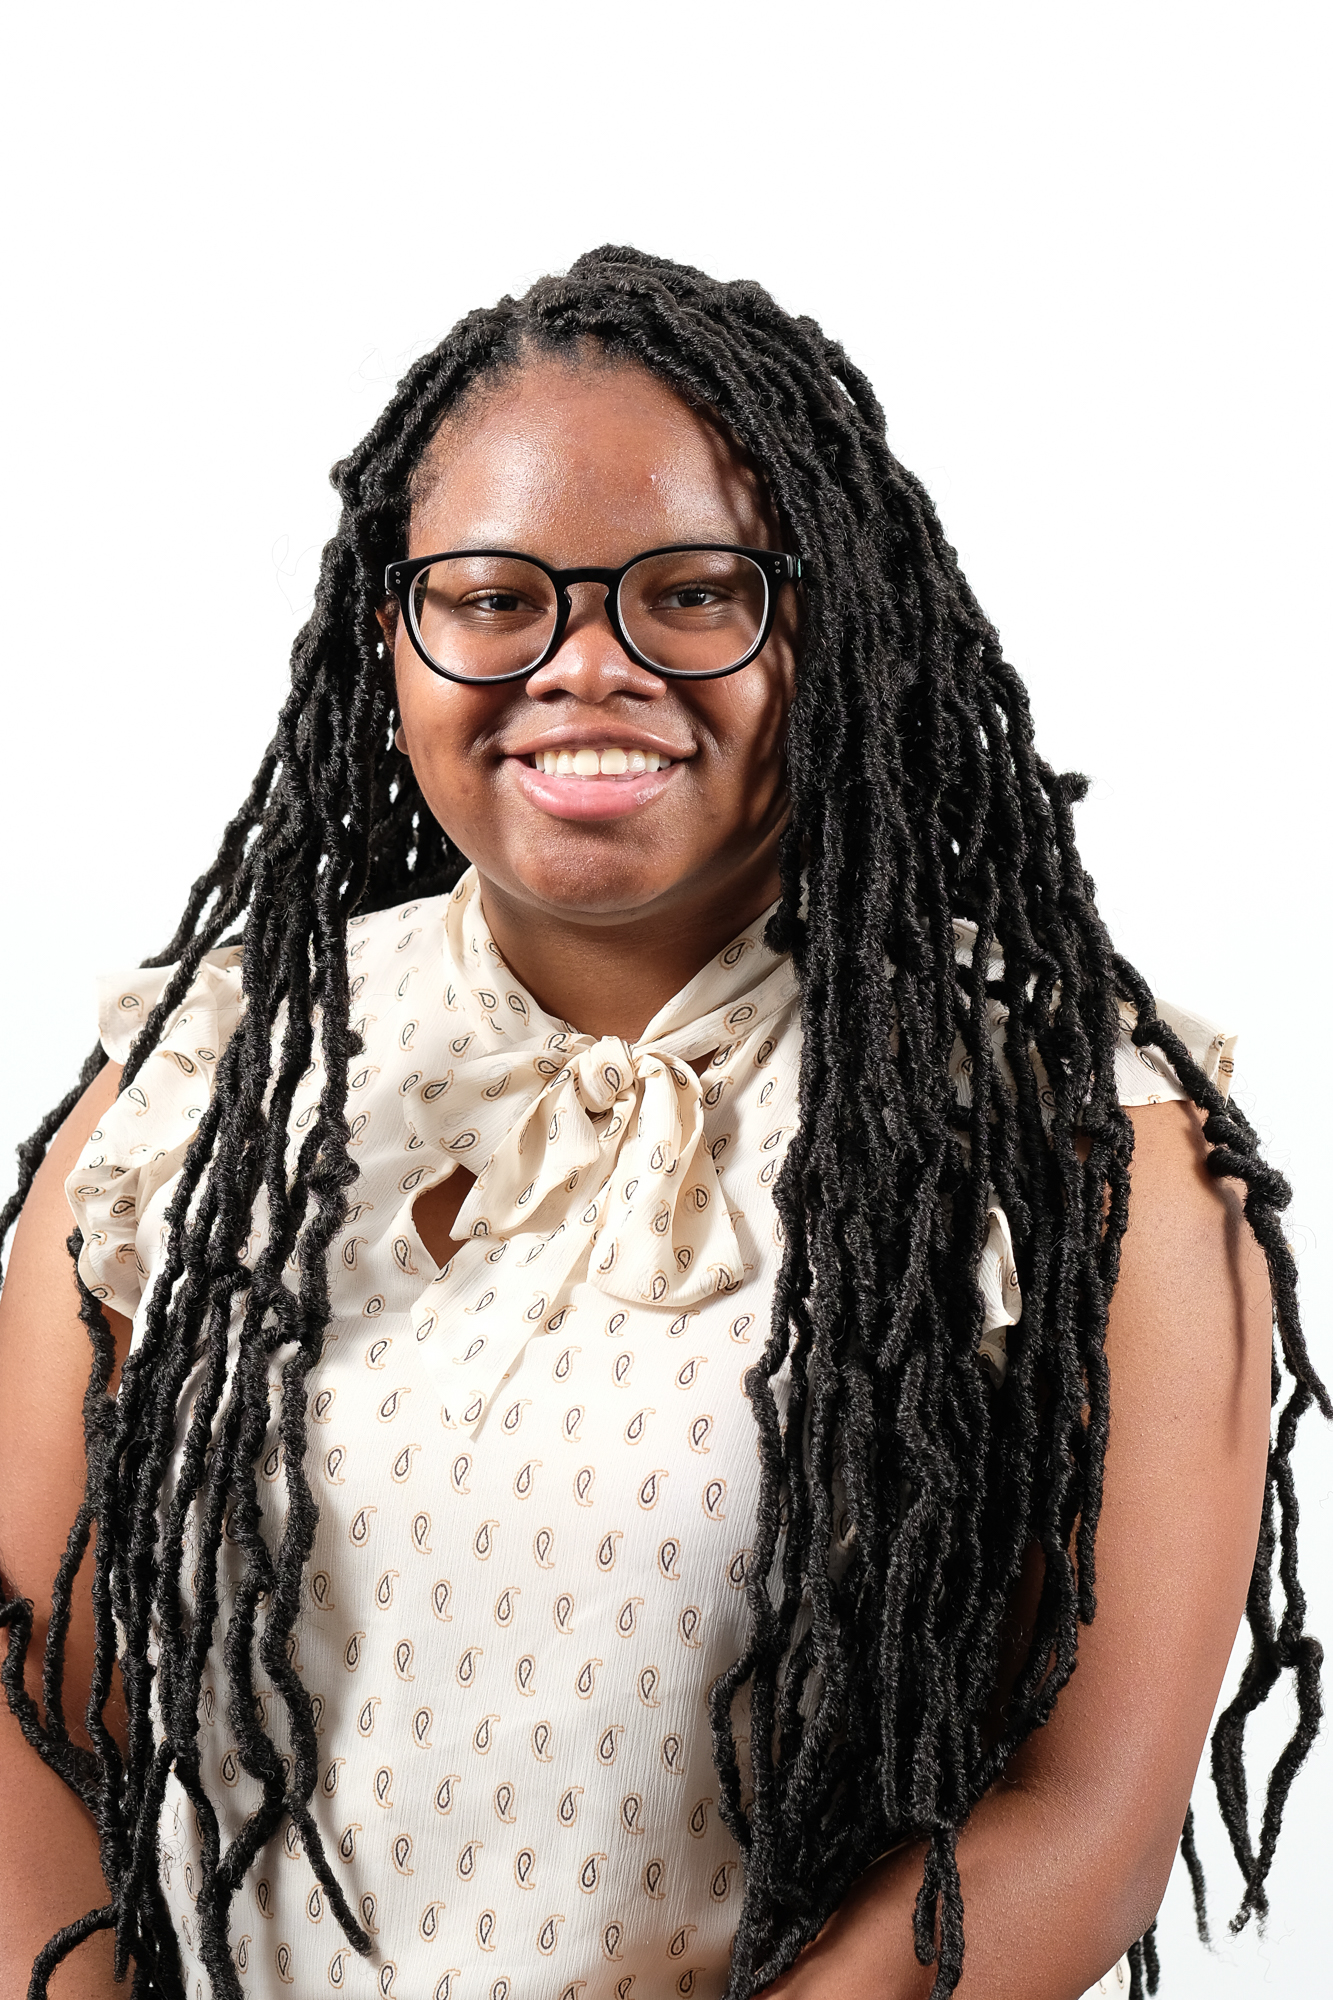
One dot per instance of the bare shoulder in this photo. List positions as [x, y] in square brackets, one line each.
[1189, 1347]
[1193, 1279]
[44, 1364]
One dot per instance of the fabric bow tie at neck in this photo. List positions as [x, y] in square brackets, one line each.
[591, 1159]
[619, 1123]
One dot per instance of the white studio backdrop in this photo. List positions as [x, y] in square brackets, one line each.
[1077, 250]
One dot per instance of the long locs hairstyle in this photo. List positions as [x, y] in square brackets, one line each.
[902, 1488]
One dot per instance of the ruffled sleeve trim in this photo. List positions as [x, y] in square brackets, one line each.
[143, 1137]
[1144, 1076]
[997, 1281]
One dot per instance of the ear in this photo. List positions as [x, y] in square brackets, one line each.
[386, 616]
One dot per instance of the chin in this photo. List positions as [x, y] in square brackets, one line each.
[599, 886]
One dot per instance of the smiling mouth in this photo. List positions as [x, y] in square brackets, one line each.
[611, 762]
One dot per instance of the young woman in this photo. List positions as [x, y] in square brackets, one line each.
[654, 1285]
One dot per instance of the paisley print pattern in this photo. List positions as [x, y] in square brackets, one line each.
[535, 1466]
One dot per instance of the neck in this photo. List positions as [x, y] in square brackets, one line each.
[610, 974]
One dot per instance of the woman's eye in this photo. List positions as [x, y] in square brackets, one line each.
[493, 600]
[689, 597]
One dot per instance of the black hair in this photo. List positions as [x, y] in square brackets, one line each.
[904, 1488]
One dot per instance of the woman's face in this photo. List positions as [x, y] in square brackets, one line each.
[590, 465]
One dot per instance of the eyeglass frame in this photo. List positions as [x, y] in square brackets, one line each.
[775, 565]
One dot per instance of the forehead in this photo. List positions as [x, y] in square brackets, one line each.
[583, 463]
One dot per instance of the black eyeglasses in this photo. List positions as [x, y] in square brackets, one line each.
[693, 611]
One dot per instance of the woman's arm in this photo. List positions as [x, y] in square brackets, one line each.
[1065, 1863]
[49, 1869]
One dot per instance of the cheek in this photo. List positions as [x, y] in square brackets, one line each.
[439, 717]
[439, 722]
[749, 719]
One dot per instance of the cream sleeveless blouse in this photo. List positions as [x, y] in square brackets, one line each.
[536, 1467]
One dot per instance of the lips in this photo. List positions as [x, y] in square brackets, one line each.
[574, 795]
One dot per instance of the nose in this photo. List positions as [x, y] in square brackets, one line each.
[590, 663]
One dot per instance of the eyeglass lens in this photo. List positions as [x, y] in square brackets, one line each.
[693, 611]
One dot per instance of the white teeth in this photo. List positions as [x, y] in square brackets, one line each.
[612, 762]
